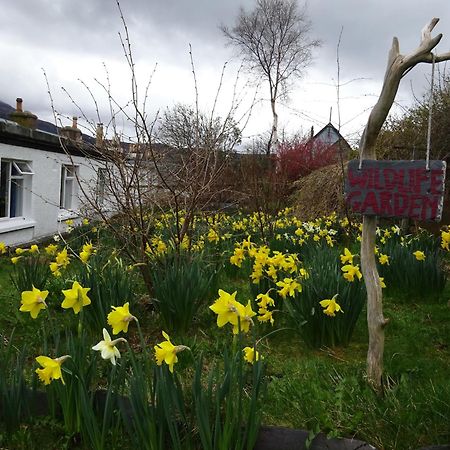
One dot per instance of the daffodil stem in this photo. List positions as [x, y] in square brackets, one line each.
[105, 411]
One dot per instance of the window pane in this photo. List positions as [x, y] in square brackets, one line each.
[16, 206]
[4, 188]
[70, 171]
[22, 167]
[68, 192]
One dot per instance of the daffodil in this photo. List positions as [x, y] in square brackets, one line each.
[34, 249]
[62, 258]
[382, 283]
[51, 368]
[76, 297]
[108, 347]
[347, 257]
[288, 287]
[350, 271]
[420, 256]
[226, 308]
[16, 259]
[120, 318]
[251, 355]
[244, 318]
[21, 251]
[330, 306]
[51, 249]
[384, 259]
[2, 248]
[33, 301]
[85, 222]
[167, 352]
[445, 240]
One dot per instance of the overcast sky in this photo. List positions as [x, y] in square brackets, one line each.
[73, 40]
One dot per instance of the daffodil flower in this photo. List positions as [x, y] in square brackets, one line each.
[347, 257]
[120, 318]
[250, 355]
[350, 271]
[226, 308]
[244, 318]
[445, 240]
[108, 348]
[51, 368]
[288, 287]
[2, 248]
[76, 297]
[167, 352]
[420, 256]
[33, 301]
[384, 259]
[330, 306]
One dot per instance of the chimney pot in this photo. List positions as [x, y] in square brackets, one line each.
[74, 122]
[19, 104]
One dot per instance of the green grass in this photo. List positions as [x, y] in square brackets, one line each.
[320, 390]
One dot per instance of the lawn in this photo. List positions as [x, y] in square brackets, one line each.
[310, 368]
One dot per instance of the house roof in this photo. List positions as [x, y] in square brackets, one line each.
[15, 134]
[328, 135]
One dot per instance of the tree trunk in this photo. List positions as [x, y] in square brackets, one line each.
[273, 147]
[397, 66]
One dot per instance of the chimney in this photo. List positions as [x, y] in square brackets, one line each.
[23, 118]
[72, 133]
[312, 132]
[99, 135]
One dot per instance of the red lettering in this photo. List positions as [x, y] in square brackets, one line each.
[357, 178]
[430, 207]
[436, 181]
[370, 202]
[415, 203]
[354, 205]
[390, 178]
[420, 176]
[385, 203]
[401, 204]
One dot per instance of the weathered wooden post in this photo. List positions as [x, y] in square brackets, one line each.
[398, 65]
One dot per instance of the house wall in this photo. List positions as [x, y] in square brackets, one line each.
[42, 215]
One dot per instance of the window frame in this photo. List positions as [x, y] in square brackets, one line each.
[16, 170]
[69, 172]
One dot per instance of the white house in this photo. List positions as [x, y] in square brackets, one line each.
[42, 182]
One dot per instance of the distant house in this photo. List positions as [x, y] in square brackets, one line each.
[329, 138]
[321, 149]
[42, 181]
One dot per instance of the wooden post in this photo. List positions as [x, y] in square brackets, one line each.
[398, 65]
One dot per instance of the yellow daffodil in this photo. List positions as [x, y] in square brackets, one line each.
[420, 256]
[265, 316]
[244, 318]
[120, 318]
[265, 300]
[226, 308]
[167, 352]
[76, 297]
[85, 221]
[108, 348]
[445, 240]
[33, 301]
[84, 256]
[51, 249]
[330, 306]
[51, 368]
[237, 257]
[21, 251]
[382, 283]
[384, 259]
[69, 222]
[250, 355]
[347, 257]
[34, 249]
[350, 271]
[2, 248]
[16, 259]
[288, 287]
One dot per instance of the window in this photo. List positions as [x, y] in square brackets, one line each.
[67, 196]
[102, 176]
[15, 180]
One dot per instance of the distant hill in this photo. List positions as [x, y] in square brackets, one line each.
[6, 110]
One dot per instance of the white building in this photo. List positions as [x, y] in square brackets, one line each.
[42, 182]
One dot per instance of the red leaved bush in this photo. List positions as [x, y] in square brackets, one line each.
[298, 159]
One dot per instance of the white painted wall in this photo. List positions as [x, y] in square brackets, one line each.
[42, 215]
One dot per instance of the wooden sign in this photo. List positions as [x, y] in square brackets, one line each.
[396, 188]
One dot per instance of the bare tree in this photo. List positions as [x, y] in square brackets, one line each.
[398, 65]
[274, 41]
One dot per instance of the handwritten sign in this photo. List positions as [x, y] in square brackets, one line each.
[396, 188]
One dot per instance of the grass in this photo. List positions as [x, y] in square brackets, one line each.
[320, 390]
